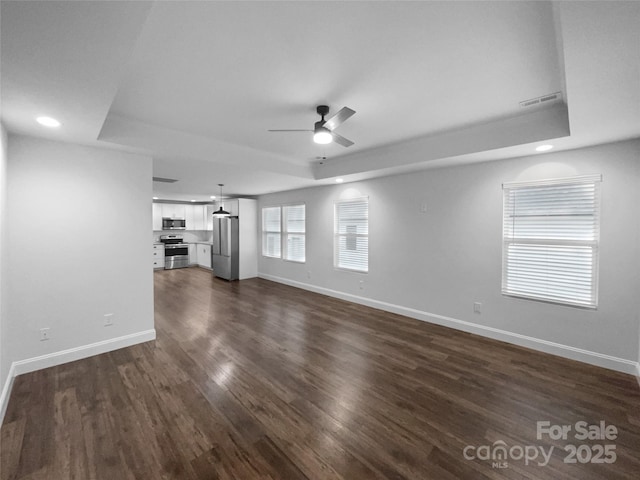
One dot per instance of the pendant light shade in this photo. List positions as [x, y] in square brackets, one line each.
[220, 212]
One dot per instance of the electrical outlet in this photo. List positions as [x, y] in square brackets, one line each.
[423, 208]
[108, 319]
[361, 284]
[477, 307]
[309, 274]
[44, 334]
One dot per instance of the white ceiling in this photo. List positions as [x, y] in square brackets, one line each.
[198, 84]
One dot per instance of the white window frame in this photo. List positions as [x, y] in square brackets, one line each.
[266, 232]
[286, 233]
[557, 261]
[283, 232]
[337, 235]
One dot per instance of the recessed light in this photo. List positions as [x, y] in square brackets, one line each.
[193, 200]
[155, 198]
[339, 180]
[544, 148]
[48, 122]
[213, 197]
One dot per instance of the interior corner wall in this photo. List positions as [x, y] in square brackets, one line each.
[434, 264]
[79, 219]
[4, 351]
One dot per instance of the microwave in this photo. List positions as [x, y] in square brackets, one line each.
[173, 223]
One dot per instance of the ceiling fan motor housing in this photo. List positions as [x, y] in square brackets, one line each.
[322, 110]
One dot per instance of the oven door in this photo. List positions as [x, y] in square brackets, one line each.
[176, 255]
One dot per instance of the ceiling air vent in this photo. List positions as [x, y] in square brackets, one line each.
[550, 98]
[164, 180]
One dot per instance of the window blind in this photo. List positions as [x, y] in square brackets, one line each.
[271, 232]
[294, 227]
[551, 233]
[352, 235]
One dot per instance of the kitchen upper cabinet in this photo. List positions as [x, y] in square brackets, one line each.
[209, 217]
[199, 215]
[157, 216]
[195, 217]
[173, 210]
[230, 205]
[204, 255]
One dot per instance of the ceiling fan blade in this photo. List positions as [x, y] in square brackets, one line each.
[338, 118]
[341, 140]
[289, 130]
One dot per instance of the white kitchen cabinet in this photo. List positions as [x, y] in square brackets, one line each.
[173, 210]
[230, 205]
[194, 216]
[193, 254]
[157, 216]
[204, 255]
[158, 255]
[189, 217]
[209, 217]
[201, 217]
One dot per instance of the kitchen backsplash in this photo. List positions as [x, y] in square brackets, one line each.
[190, 236]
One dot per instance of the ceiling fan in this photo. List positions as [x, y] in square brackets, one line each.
[323, 130]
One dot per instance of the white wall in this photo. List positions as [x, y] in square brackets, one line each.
[435, 265]
[78, 239]
[248, 238]
[4, 351]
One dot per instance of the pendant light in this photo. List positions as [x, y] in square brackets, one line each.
[220, 212]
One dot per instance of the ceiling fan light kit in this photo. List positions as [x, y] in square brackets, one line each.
[323, 130]
[321, 135]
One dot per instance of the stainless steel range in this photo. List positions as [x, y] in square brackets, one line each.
[176, 253]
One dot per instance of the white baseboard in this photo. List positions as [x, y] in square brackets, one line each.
[638, 373]
[64, 356]
[566, 351]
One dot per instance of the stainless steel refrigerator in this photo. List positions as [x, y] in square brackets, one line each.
[225, 248]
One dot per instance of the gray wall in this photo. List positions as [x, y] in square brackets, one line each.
[435, 265]
[78, 235]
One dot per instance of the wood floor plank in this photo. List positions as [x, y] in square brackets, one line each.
[254, 380]
[11, 438]
[71, 456]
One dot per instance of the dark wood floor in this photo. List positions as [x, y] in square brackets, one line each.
[256, 380]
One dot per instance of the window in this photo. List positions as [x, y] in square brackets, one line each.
[551, 232]
[284, 224]
[271, 237]
[294, 232]
[352, 235]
